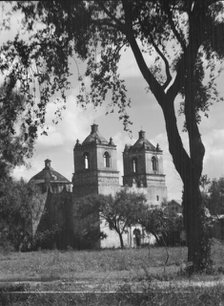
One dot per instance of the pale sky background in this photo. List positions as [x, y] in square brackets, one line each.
[145, 114]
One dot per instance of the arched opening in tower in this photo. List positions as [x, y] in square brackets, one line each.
[106, 160]
[155, 166]
[86, 160]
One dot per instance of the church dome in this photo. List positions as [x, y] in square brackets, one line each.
[94, 136]
[49, 175]
[143, 142]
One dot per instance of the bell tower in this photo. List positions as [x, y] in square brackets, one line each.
[143, 168]
[95, 163]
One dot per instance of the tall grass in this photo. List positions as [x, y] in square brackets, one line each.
[70, 264]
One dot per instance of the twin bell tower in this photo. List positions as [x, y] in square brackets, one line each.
[95, 163]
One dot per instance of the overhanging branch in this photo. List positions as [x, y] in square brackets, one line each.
[167, 66]
[110, 15]
[172, 25]
[155, 87]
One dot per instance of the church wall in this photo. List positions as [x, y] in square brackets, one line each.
[108, 182]
[55, 227]
[38, 209]
[156, 194]
[148, 162]
[86, 228]
[128, 162]
[112, 240]
[128, 237]
[99, 178]
[130, 177]
[79, 161]
[160, 160]
[85, 183]
[101, 149]
[156, 189]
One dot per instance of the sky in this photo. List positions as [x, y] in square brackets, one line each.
[145, 114]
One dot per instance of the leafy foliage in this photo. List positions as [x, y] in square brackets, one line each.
[119, 212]
[16, 144]
[122, 211]
[87, 224]
[165, 227]
[20, 206]
[97, 31]
[216, 197]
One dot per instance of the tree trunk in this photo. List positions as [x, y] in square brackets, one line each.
[194, 213]
[189, 166]
[157, 238]
[190, 169]
[121, 240]
[196, 229]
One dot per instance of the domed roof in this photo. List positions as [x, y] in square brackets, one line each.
[143, 142]
[48, 174]
[94, 136]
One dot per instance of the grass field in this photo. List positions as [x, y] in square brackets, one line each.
[119, 263]
[108, 277]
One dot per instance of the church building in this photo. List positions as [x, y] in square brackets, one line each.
[143, 168]
[95, 163]
[95, 172]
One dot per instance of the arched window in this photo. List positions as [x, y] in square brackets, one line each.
[86, 160]
[134, 165]
[154, 164]
[106, 159]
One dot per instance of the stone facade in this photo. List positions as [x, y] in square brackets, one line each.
[50, 180]
[143, 168]
[95, 167]
[95, 172]
[95, 163]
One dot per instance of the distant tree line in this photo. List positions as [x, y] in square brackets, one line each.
[20, 208]
[123, 211]
[22, 205]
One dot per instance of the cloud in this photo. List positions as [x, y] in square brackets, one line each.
[77, 125]
[173, 180]
[214, 153]
[58, 145]
[54, 138]
[128, 67]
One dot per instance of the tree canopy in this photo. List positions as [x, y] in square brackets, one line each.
[165, 227]
[118, 213]
[123, 211]
[21, 206]
[215, 199]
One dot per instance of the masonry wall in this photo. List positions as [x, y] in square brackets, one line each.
[55, 229]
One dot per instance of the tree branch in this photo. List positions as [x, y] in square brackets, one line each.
[181, 69]
[180, 157]
[106, 22]
[173, 27]
[210, 2]
[111, 16]
[124, 226]
[185, 78]
[155, 87]
[167, 66]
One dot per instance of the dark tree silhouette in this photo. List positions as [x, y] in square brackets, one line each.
[216, 196]
[118, 212]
